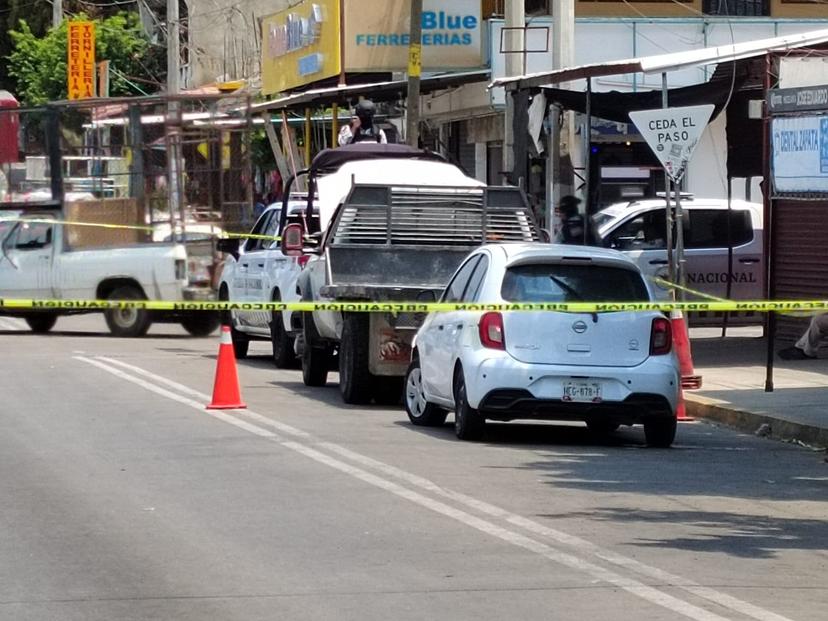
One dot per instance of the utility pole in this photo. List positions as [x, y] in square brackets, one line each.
[415, 64]
[514, 40]
[563, 55]
[57, 13]
[173, 114]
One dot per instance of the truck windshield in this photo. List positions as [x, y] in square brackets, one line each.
[572, 283]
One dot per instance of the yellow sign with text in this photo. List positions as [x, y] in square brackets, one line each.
[300, 45]
[80, 59]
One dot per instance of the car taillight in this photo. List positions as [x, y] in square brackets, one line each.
[661, 337]
[491, 331]
[303, 260]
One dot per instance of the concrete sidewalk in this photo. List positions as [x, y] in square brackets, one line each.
[733, 389]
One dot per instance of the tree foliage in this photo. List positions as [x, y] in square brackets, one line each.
[38, 64]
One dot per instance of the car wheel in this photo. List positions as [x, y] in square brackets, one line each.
[127, 322]
[660, 432]
[469, 424]
[41, 323]
[316, 357]
[202, 323]
[283, 356]
[355, 380]
[600, 427]
[420, 412]
[241, 344]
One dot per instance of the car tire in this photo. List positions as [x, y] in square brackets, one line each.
[201, 324]
[420, 412]
[131, 322]
[316, 356]
[356, 384]
[660, 432]
[469, 424]
[283, 354]
[600, 427]
[41, 323]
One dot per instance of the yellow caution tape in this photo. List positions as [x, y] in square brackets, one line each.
[415, 307]
[135, 227]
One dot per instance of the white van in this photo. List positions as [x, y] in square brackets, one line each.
[638, 229]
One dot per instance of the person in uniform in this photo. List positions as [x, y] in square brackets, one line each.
[362, 128]
[572, 222]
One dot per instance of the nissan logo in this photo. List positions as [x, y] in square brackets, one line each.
[579, 327]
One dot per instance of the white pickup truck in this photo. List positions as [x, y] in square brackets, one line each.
[36, 262]
[256, 270]
[394, 224]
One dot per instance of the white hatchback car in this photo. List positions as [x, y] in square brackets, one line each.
[606, 369]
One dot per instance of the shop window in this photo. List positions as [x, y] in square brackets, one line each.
[742, 8]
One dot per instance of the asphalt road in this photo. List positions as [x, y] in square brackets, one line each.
[123, 498]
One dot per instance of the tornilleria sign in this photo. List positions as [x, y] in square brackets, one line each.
[80, 59]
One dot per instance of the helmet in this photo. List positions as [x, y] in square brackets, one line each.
[365, 109]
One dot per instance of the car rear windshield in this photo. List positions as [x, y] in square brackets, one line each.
[572, 283]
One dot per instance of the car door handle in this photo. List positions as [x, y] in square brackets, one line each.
[259, 264]
[459, 326]
[658, 262]
[749, 261]
[440, 327]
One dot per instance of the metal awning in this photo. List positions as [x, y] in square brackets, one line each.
[377, 91]
[666, 62]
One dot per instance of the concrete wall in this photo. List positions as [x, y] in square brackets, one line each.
[225, 38]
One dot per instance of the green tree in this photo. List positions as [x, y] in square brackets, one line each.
[38, 64]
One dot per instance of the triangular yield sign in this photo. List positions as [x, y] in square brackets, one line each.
[673, 134]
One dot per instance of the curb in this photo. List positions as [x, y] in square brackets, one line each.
[750, 422]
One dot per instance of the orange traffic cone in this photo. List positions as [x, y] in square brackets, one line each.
[681, 341]
[226, 394]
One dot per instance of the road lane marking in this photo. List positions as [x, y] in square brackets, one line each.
[651, 594]
[222, 416]
[264, 420]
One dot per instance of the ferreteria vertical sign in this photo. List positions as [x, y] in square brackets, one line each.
[673, 134]
[80, 60]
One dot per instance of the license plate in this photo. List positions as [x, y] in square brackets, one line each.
[586, 392]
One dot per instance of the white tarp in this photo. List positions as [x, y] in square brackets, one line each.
[799, 160]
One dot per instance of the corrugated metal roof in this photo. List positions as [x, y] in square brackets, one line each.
[662, 63]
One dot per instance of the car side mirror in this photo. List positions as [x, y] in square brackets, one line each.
[293, 240]
[229, 245]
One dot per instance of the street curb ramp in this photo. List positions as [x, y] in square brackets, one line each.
[751, 422]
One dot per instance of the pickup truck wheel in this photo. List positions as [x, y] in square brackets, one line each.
[283, 356]
[201, 323]
[316, 356]
[127, 322]
[420, 412]
[41, 323]
[469, 424]
[356, 383]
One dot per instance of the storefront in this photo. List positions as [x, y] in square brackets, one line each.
[799, 171]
